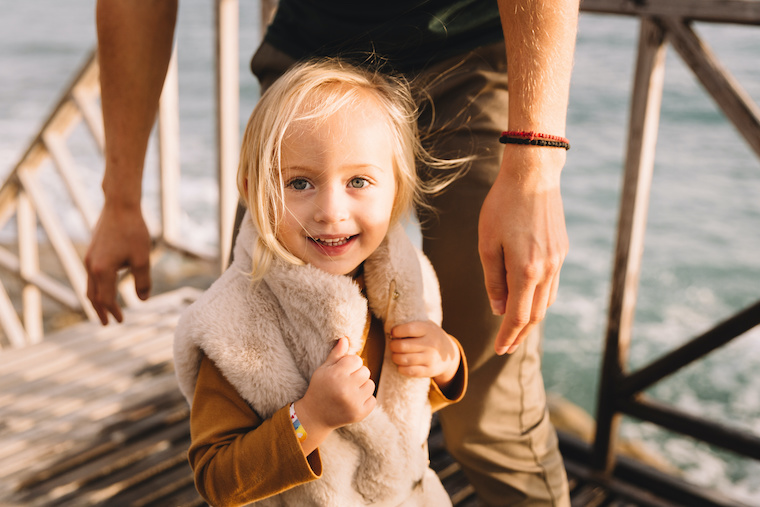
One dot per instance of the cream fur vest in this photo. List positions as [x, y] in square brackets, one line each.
[267, 339]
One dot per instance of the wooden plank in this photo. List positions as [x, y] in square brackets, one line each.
[108, 374]
[722, 333]
[149, 313]
[128, 398]
[43, 443]
[228, 121]
[55, 231]
[719, 11]
[51, 287]
[67, 341]
[642, 137]
[29, 267]
[64, 162]
[99, 479]
[740, 442]
[8, 195]
[10, 322]
[22, 390]
[85, 99]
[736, 103]
[162, 489]
[169, 155]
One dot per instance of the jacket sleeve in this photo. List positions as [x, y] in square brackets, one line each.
[456, 389]
[236, 457]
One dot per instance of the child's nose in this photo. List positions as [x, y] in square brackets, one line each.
[332, 206]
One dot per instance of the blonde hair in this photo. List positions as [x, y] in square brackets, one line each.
[314, 91]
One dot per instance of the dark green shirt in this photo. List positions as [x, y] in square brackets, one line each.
[407, 33]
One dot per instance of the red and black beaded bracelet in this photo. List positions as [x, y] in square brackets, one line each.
[534, 139]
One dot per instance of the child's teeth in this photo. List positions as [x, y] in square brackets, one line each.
[333, 242]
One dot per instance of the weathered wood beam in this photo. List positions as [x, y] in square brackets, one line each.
[700, 346]
[49, 286]
[29, 266]
[10, 322]
[719, 11]
[169, 152]
[737, 105]
[639, 164]
[56, 233]
[719, 435]
[228, 120]
[64, 162]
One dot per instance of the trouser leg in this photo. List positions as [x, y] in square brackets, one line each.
[500, 433]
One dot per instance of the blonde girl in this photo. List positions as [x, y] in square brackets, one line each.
[313, 363]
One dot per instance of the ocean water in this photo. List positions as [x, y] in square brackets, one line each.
[702, 255]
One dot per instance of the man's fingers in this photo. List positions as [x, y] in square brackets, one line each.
[518, 312]
[554, 290]
[495, 278]
[101, 291]
[541, 301]
[92, 295]
[141, 275]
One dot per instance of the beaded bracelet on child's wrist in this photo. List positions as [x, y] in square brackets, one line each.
[297, 426]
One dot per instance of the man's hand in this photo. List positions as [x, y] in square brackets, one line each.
[523, 240]
[120, 240]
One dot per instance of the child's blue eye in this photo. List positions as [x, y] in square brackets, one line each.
[299, 184]
[358, 183]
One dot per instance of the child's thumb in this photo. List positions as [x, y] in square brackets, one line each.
[338, 351]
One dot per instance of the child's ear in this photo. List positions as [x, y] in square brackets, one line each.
[245, 185]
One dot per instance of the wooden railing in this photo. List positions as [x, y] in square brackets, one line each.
[663, 22]
[22, 196]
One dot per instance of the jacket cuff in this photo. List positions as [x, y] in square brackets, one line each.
[304, 467]
[456, 389]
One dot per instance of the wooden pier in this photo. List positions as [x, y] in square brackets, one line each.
[92, 415]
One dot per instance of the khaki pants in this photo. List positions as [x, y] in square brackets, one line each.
[500, 432]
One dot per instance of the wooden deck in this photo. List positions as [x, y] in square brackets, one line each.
[92, 416]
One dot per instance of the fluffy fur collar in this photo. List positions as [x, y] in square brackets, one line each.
[268, 338]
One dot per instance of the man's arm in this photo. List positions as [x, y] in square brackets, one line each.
[523, 239]
[134, 47]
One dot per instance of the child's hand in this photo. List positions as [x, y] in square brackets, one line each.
[340, 392]
[423, 349]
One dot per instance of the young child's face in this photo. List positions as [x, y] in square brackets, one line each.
[339, 188]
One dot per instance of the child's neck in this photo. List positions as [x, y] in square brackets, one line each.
[356, 273]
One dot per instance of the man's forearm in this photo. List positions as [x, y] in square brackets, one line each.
[134, 47]
[540, 41]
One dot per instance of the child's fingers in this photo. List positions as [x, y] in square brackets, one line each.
[369, 404]
[411, 359]
[410, 330]
[414, 371]
[350, 364]
[361, 374]
[367, 389]
[406, 345]
[338, 351]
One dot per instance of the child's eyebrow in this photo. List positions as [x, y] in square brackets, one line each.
[346, 167]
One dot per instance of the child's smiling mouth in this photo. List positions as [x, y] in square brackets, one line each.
[333, 241]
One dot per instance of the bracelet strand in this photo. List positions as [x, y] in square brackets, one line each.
[297, 426]
[533, 139]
